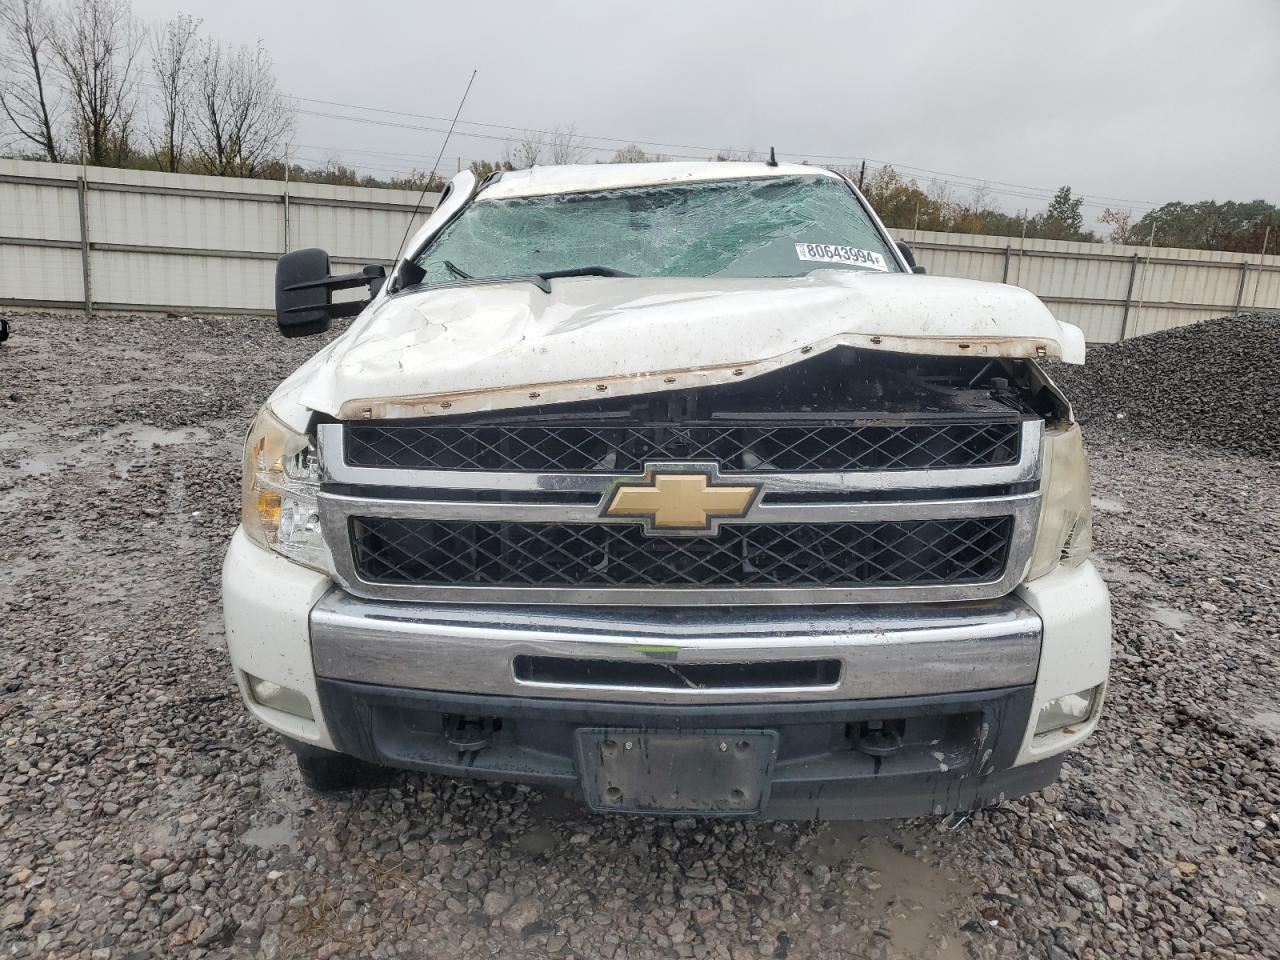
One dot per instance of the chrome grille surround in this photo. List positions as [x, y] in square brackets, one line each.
[796, 498]
[779, 445]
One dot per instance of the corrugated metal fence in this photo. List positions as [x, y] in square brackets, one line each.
[96, 238]
[1111, 291]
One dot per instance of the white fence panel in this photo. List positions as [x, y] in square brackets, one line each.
[1110, 290]
[39, 211]
[177, 242]
[40, 274]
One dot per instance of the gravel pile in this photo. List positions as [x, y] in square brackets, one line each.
[1214, 383]
[143, 814]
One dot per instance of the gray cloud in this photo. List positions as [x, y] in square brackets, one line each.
[1139, 101]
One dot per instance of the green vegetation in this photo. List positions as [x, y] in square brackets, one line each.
[1242, 227]
[903, 204]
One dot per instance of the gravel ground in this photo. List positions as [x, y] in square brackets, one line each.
[1217, 378]
[142, 813]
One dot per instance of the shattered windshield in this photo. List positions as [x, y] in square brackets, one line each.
[782, 226]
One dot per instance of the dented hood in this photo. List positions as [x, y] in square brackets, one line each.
[494, 346]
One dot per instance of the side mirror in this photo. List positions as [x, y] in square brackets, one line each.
[908, 256]
[304, 292]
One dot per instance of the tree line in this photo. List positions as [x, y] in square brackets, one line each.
[86, 80]
[903, 203]
[1206, 225]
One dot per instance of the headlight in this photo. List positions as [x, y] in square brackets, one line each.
[278, 492]
[1065, 531]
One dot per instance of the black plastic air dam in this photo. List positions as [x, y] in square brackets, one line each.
[955, 754]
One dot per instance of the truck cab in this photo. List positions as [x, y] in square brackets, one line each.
[677, 487]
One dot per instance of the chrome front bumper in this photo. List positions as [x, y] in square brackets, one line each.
[882, 651]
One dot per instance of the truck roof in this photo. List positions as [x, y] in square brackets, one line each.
[576, 178]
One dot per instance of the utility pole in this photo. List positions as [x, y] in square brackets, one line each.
[285, 198]
[1146, 269]
[862, 174]
[1266, 237]
[1022, 246]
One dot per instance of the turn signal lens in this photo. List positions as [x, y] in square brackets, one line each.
[269, 509]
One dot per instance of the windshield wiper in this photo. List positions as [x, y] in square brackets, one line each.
[583, 272]
[540, 280]
[456, 271]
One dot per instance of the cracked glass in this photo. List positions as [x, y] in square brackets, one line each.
[784, 226]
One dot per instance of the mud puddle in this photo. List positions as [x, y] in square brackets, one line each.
[126, 438]
[283, 812]
[1107, 505]
[1267, 720]
[914, 902]
[1169, 617]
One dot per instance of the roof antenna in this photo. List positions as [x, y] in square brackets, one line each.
[432, 175]
[773, 158]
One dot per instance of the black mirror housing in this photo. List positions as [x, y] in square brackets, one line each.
[302, 310]
[304, 292]
[908, 255]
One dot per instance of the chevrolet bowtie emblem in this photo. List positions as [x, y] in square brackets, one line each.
[682, 499]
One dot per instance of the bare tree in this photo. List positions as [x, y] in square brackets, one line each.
[939, 192]
[1121, 224]
[173, 54]
[561, 145]
[631, 153]
[97, 44]
[525, 152]
[26, 94]
[752, 155]
[565, 146]
[240, 121]
[980, 197]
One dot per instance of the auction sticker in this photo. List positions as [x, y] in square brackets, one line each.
[830, 253]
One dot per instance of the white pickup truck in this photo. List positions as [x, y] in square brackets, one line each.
[676, 487]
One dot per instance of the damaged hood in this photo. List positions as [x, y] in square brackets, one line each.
[483, 347]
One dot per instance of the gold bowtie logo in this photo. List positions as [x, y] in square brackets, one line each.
[682, 499]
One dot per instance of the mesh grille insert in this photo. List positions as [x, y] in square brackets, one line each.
[500, 554]
[608, 449]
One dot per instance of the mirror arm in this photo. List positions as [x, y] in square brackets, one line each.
[336, 311]
[344, 281]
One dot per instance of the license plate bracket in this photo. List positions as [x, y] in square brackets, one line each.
[691, 773]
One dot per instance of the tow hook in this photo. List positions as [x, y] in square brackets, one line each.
[469, 734]
[878, 738]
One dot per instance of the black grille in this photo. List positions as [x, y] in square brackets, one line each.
[625, 448]
[465, 553]
[677, 676]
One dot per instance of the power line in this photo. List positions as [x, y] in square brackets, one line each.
[957, 179]
[1002, 191]
[999, 188]
[374, 153]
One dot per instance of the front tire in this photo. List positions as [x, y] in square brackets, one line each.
[327, 772]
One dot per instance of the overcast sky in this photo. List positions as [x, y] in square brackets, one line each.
[1142, 101]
